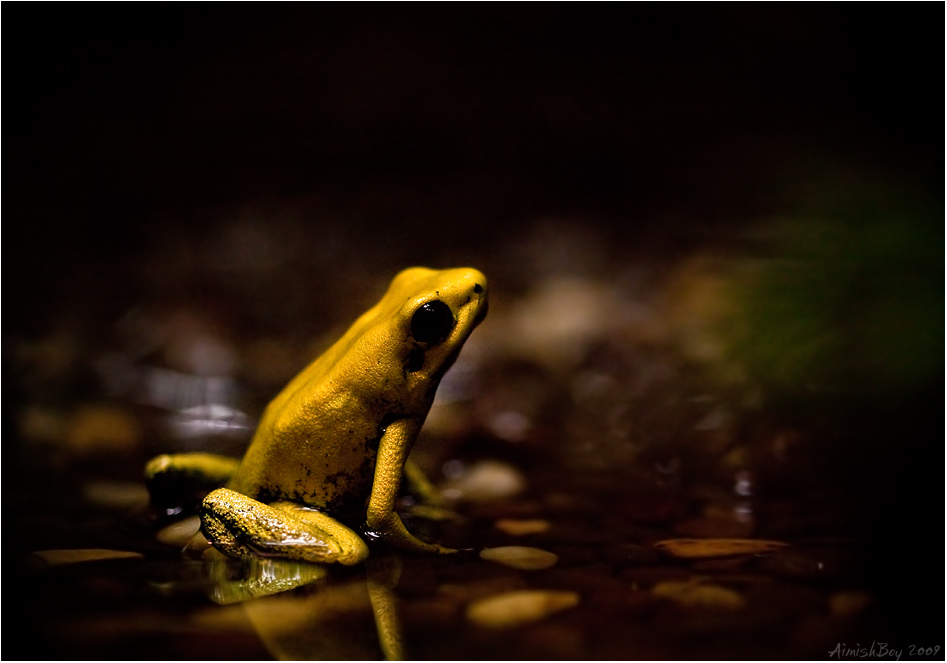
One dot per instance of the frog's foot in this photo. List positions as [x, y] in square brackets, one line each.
[390, 529]
[177, 482]
[239, 526]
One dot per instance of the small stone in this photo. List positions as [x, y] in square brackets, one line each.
[849, 603]
[694, 595]
[704, 548]
[41, 425]
[516, 527]
[466, 593]
[513, 609]
[510, 425]
[179, 533]
[102, 429]
[648, 576]
[61, 557]
[486, 481]
[116, 494]
[520, 557]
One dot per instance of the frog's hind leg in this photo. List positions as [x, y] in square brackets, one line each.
[178, 482]
[432, 505]
[240, 526]
[420, 485]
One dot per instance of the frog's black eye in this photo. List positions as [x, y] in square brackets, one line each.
[432, 322]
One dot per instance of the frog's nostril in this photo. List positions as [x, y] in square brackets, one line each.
[478, 288]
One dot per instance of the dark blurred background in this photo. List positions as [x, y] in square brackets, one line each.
[433, 132]
[273, 165]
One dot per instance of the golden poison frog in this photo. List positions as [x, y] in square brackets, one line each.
[337, 438]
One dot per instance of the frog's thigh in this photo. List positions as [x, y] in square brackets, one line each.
[240, 526]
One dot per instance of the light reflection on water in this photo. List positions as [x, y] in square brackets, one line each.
[233, 581]
[325, 620]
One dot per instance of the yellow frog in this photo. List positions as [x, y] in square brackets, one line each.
[337, 438]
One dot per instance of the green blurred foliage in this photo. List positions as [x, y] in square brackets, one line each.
[849, 300]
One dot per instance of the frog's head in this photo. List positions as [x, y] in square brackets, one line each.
[416, 332]
[396, 353]
[439, 309]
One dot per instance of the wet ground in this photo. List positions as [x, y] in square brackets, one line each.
[694, 425]
[622, 487]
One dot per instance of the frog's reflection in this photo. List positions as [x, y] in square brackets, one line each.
[326, 617]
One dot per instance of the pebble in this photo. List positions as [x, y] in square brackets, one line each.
[555, 324]
[486, 481]
[693, 595]
[704, 548]
[61, 557]
[41, 425]
[116, 494]
[849, 603]
[102, 429]
[466, 593]
[520, 557]
[179, 533]
[513, 609]
[648, 576]
[516, 527]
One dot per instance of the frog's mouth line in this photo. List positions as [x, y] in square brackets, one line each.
[459, 343]
[481, 313]
[478, 318]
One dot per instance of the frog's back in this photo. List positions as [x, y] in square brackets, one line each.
[317, 441]
[321, 454]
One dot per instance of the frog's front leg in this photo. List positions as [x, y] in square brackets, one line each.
[239, 526]
[393, 450]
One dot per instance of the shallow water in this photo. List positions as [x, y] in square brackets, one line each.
[612, 498]
[694, 424]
